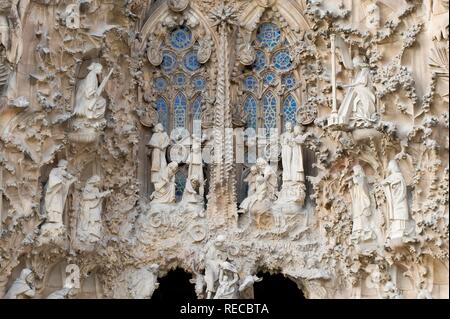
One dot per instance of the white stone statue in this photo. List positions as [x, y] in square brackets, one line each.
[270, 177]
[293, 188]
[397, 201]
[23, 287]
[213, 258]
[228, 280]
[361, 206]
[195, 173]
[259, 201]
[158, 144]
[287, 156]
[251, 180]
[165, 188]
[143, 282]
[57, 189]
[89, 103]
[359, 103]
[89, 227]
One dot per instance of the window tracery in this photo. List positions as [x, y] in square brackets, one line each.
[268, 88]
[179, 80]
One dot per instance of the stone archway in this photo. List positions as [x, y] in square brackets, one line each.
[277, 287]
[175, 286]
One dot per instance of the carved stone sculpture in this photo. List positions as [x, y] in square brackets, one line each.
[323, 209]
[90, 106]
[228, 279]
[57, 189]
[361, 206]
[142, 283]
[359, 103]
[89, 227]
[22, 287]
[213, 259]
[165, 188]
[397, 201]
[158, 144]
[293, 188]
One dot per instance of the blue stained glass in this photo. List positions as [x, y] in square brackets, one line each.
[180, 185]
[270, 111]
[179, 79]
[250, 110]
[181, 38]
[199, 83]
[161, 108]
[289, 109]
[269, 35]
[179, 111]
[169, 61]
[250, 83]
[197, 108]
[160, 84]
[190, 61]
[269, 78]
[260, 61]
[282, 60]
[289, 81]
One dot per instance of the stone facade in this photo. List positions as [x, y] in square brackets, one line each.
[226, 138]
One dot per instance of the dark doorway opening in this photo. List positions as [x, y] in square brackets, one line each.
[175, 286]
[277, 287]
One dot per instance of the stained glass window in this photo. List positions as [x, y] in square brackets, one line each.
[169, 61]
[269, 78]
[160, 84]
[181, 38]
[260, 61]
[269, 35]
[289, 81]
[250, 83]
[289, 109]
[198, 83]
[270, 111]
[250, 107]
[180, 185]
[179, 79]
[161, 108]
[197, 108]
[179, 111]
[190, 61]
[282, 60]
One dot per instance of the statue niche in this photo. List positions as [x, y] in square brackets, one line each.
[89, 111]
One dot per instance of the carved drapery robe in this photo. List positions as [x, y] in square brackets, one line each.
[287, 156]
[58, 186]
[89, 228]
[159, 143]
[397, 202]
[88, 103]
[361, 206]
[165, 188]
[359, 101]
[298, 171]
[22, 288]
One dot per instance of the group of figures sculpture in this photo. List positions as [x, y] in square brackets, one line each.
[118, 165]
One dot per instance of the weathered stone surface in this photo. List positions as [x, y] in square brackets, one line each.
[128, 147]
